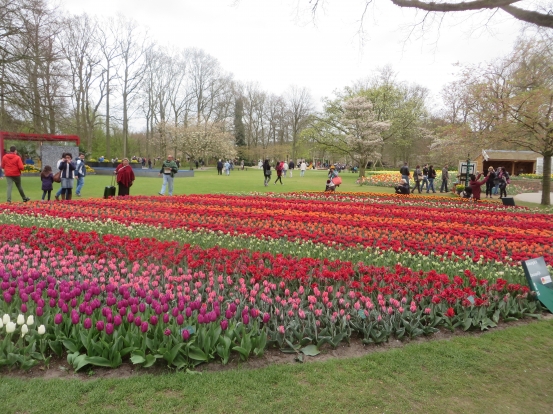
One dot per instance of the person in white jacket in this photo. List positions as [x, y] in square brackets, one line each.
[303, 167]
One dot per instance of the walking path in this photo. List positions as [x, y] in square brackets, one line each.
[531, 197]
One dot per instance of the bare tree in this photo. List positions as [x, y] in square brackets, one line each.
[81, 50]
[536, 13]
[299, 108]
[132, 47]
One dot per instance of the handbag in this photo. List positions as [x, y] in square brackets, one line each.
[337, 180]
[57, 177]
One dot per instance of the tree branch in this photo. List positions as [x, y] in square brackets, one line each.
[453, 7]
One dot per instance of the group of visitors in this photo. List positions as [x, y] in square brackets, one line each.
[423, 177]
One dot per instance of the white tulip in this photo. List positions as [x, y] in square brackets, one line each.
[41, 330]
[6, 319]
[24, 330]
[20, 319]
[10, 327]
[30, 320]
[1, 323]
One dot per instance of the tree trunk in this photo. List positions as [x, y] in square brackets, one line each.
[108, 146]
[546, 180]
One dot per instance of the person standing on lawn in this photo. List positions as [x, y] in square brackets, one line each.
[13, 165]
[80, 171]
[445, 179]
[67, 176]
[168, 169]
[291, 167]
[404, 171]
[303, 167]
[125, 177]
[267, 172]
[475, 185]
[431, 176]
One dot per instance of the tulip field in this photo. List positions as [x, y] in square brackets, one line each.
[187, 280]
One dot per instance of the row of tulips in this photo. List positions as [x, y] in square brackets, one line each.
[447, 263]
[106, 299]
[490, 235]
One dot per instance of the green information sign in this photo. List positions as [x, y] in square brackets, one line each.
[539, 280]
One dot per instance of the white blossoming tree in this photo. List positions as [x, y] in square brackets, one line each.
[349, 127]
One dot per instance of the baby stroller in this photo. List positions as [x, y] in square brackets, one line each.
[467, 193]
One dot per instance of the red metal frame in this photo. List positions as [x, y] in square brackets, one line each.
[17, 136]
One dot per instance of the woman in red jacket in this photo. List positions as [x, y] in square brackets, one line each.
[475, 185]
[125, 177]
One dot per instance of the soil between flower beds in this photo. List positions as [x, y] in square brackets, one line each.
[59, 368]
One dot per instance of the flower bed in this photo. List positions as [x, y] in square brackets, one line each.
[187, 280]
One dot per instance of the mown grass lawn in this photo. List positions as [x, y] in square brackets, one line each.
[504, 371]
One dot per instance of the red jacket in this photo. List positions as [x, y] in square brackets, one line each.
[475, 186]
[12, 164]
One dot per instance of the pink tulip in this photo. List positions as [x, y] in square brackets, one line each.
[100, 325]
[144, 327]
[185, 335]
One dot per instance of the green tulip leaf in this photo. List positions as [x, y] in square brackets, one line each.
[310, 350]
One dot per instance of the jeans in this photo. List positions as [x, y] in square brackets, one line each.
[80, 183]
[495, 189]
[167, 182]
[430, 185]
[406, 178]
[302, 172]
[424, 181]
[10, 182]
[444, 184]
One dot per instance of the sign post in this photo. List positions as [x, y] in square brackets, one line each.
[539, 280]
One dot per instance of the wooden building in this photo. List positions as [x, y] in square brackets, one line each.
[515, 162]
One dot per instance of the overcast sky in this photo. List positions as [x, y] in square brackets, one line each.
[277, 44]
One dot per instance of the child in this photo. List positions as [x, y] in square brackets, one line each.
[47, 179]
[330, 186]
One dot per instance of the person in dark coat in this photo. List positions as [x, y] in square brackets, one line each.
[219, 167]
[402, 187]
[490, 183]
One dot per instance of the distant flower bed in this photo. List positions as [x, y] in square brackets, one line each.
[531, 176]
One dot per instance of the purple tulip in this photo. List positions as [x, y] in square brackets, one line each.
[174, 312]
[75, 317]
[117, 320]
[167, 332]
[52, 302]
[254, 313]
[266, 317]
[109, 328]
[7, 297]
[185, 335]
[200, 319]
[87, 323]
[246, 319]
[224, 324]
[188, 312]
[122, 311]
[58, 318]
[134, 309]
[137, 321]
[165, 318]
[144, 327]
[228, 314]
[142, 307]
[180, 319]
[23, 308]
[153, 320]
[130, 318]
[100, 325]
[39, 311]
